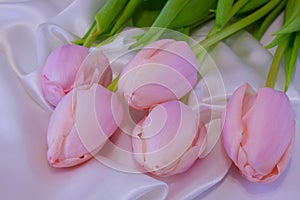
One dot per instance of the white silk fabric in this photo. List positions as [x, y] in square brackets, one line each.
[29, 31]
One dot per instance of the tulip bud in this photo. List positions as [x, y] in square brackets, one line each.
[169, 140]
[162, 71]
[81, 123]
[258, 132]
[62, 67]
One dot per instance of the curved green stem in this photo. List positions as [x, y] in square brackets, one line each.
[273, 72]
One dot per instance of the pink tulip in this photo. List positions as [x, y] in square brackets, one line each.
[162, 71]
[62, 68]
[81, 124]
[259, 132]
[169, 140]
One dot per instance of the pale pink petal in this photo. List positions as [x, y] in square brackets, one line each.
[81, 124]
[60, 126]
[52, 91]
[167, 67]
[98, 114]
[62, 64]
[232, 128]
[140, 99]
[269, 129]
[151, 84]
[94, 69]
[259, 131]
[169, 132]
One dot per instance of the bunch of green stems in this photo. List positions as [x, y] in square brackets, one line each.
[230, 17]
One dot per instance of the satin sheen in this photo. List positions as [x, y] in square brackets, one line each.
[29, 31]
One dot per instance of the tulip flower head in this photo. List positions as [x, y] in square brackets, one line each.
[169, 140]
[69, 63]
[258, 132]
[81, 124]
[162, 71]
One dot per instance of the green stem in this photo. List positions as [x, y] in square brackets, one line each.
[90, 39]
[235, 8]
[233, 28]
[130, 8]
[268, 20]
[291, 59]
[113, 86]
[86, 35]
[104, 20]
[273, 72]
[169, 12]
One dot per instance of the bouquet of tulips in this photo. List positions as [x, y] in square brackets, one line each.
[157, 86]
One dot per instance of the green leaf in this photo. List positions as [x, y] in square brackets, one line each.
[239, 25]
[291, 9]
[291, 18]
[289, 34]
[292, 25]
[82, 40]
[104, 20]
[273, 72]
[234, 9]
[176, 14]
[130, 8]
[223, 11]
[188, 16]
[277, 40]
[108, 14]
[252, 5]
[145, 18]
[238, 5]
[153, 4]
[258, 33]
[148, 11]
[165, 18]
[290, 57]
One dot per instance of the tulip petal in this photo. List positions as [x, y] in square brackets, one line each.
[163, 71]
[73, 152]
[62, 64]
[98, 114]
[59, 128]
[81, 124]
[276, 122]
[162, 83]
[60, 70]
[232, 129]
[284, 161]
[176, 54]
[168, 140]
[52, 91]
[94, 69]
[261, 145]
